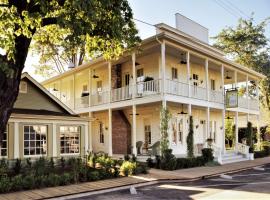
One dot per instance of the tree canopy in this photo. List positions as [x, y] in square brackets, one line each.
[104, 26]
[248, 45]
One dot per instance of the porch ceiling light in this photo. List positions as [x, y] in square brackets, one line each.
[183, 59]
[182, 112]
[136, 64]
[228, 117]
[135, 114]
[227, 76]
[94, 74]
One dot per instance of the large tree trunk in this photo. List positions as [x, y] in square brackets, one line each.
[10, 80]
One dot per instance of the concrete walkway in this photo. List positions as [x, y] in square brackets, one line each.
[153, 177]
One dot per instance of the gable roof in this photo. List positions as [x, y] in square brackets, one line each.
[47, 93]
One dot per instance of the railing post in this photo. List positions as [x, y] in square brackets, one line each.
[207, 79]
[188, 74]
[236, 130]
[110, 80]
[247, 93]
[163, 67]
[222, 83]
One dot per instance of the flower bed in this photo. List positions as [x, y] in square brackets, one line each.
[30, 174]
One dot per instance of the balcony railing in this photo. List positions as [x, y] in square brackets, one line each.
[120, 94]
[198, 92]
[147, 88]
[177, 88]
[216, 96]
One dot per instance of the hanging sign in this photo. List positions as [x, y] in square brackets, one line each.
[232, 99]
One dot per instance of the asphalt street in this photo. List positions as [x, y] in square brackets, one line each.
[251, 184]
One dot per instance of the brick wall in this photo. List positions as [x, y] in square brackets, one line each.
[121, 133]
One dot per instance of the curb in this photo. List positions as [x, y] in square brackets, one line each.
[147, 183]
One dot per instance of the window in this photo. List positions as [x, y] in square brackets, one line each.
[213, 84]
[147, 134]
[174, 129]
[69, 139]
[195, 77]
[3, 149]
[126, 79]
[139, 72]
[101, 133]
[35, 140]
[180, 130]
[23, 87]
[215, 130]
[99, 86]
[211, 129]
[174, 73]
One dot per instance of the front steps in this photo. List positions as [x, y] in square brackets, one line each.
[232, 157]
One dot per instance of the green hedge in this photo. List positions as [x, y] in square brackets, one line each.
[263, 153]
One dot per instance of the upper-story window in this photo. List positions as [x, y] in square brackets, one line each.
[213, 84]
[180, 130]
[126, 79]
[174, 73]
[99, 86]
[139, 73]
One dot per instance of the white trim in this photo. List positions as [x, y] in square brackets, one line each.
[43, 89]
[86, 139]
[54, 139]
[16, 140]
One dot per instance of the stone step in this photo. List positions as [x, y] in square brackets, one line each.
[227, 161]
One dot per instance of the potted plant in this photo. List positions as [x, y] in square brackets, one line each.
[209, 142]
[251, 153]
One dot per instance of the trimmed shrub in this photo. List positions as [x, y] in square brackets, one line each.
[17, 166]
[17, 182]
[189, 162]
[28, 182]
[168, 160]
[64, 179]
[207, 154]
[52, 180]
[93, 175]
[5, 184]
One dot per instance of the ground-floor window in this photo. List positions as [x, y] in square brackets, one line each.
[35, 140]
[147, 133]
[101, 133]
[3, 148]
[180, 130]
[69, 139]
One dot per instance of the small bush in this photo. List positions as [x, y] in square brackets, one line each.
[65, 179]
[141, 169]
[53, 180]
[150, 162]
[207, 154]
[93, 175]
[17, 182]
[126, 157]
[168, 160]
[128, 168]
[157, 163]
[28, 182]
[5, 184]
[17, 166]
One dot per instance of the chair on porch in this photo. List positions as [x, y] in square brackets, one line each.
[139, 147]
[154, 149]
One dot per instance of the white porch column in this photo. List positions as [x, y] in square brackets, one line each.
[90, 133]
[16, 140]
[163, 68]
[74, 92]
[189, 110]
[54, 140]
[235, 79]
[86, 140]
[110, 80]
[207, 79]
[208, 122]
[236, 130]
[222, 83]
[110, 151]
[134, 130]
[223, 148]
[60, 89]
[133, 75]
[188, 73]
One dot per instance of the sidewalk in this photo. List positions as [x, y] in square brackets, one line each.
[153, 177]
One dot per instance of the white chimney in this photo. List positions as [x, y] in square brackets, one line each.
[191, 28]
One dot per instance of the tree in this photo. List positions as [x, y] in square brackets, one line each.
[247, 45]
[164, 126]
[249, 135]
[190, 139]
[229, 131]
[105, 26]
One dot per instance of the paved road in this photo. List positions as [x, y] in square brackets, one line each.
[250, 184]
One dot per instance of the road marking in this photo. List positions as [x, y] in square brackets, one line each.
[250, 174]
[133, 190]
[258, 168]
[226, 176]
[224, 184]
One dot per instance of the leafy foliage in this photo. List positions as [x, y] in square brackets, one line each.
[249, 135]
[190, 139]
[164, 126]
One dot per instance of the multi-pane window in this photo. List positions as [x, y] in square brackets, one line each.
[35, 140]
[101, 133]
[3, 148]
[69, 139]
[180, 130]
[139, 72]
[213, 84]
[147, 134]
[174, 73]
[126, 79]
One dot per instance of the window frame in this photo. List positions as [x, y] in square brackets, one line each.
[79, 140]
[174, 73]
[213, 84]
[101, 133]
[36, 155]
[180, 130]
[7, 140]
[138, 70]
[148, 133]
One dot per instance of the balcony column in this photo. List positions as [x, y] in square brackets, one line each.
[222, 83]
[163, 72]
[134, 130]
[188, 73]
[110, 151]
[189, 110]
[235, 79]
[89, 86]
[236, 130]
[258, 131]
[110, 80]
[207, 79]
[223, 148]
[60, 89]
[247, 95]
[207, 122]
[134, 75]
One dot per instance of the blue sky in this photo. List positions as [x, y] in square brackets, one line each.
[213, 14]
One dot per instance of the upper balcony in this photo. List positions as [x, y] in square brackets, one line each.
[158, 73]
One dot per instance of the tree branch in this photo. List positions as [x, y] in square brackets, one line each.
[49, 21]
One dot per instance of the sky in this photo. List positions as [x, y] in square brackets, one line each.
[213, 14]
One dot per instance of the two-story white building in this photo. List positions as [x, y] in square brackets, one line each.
[177, 69]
